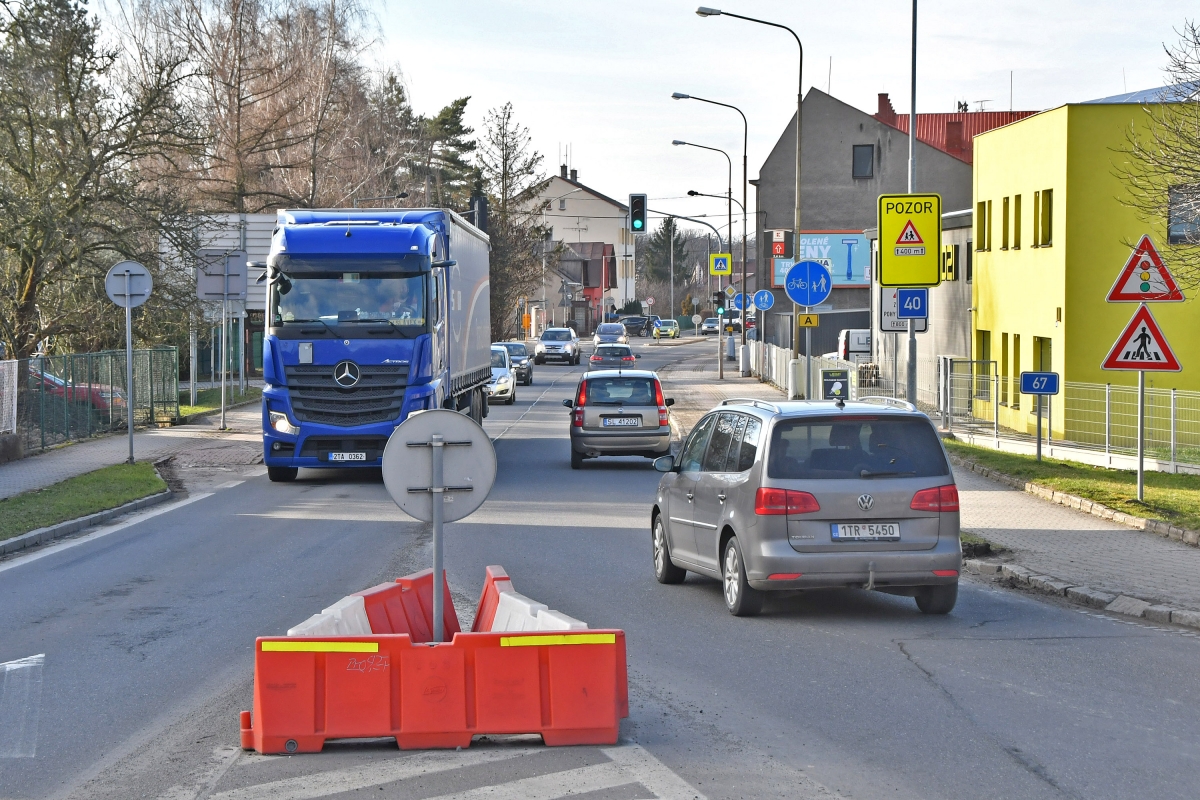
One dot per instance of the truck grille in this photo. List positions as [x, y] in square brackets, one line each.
[377, 397]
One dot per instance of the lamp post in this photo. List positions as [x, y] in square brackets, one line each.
[729, 199]
[743, 359]
[714, 12]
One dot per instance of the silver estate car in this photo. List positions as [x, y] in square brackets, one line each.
[799, 495]
[557, 344]
[619, 413]
[502, 388]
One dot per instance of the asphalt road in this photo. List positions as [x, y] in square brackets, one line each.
[148, 633]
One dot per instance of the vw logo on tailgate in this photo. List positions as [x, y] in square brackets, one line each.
[347, 373]
[865, 501]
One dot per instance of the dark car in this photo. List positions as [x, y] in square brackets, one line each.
[521, 360]
[633, 325]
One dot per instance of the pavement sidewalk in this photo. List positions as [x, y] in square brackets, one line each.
[1045, 538]
[199, 444]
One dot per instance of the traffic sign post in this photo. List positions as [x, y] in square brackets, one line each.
[1142, 346]
[448, 486]
[808, 284]
[1039, 384]
[128, 284]
[222, 276]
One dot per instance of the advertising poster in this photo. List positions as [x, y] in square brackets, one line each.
[846, 254]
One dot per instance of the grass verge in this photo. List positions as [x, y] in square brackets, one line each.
[1171, 498]
[77, 497]
[210, 399]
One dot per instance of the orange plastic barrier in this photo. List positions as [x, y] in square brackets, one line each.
[570, 687]
[406, 606]
[495, 581]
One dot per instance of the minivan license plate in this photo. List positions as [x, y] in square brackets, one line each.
[347, 456]
[621, 422]
[865, 531]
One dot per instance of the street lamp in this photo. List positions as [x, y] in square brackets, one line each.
[704, 11]
[744, 359]
[729, 204]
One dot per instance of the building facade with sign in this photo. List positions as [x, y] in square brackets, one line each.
[1052, 232]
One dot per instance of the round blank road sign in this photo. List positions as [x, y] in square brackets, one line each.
[406, 467]
[140, 283]
[696, 319]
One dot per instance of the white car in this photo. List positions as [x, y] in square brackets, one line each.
[503, 385]
[557, 344]
[710, 325]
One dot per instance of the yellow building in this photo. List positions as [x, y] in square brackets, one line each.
[1051, 236]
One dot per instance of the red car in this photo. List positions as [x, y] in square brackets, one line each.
[100, 398]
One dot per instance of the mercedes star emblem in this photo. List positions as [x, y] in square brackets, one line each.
[347, 373]
[865, 501]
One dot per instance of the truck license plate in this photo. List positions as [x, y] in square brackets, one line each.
[347, 456]
[621, 422]
[866, 531]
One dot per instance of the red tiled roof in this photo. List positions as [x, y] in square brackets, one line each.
[950, 133]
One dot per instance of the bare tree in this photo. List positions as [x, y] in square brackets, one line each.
[1163, 168]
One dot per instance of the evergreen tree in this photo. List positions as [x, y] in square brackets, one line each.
[658, 252]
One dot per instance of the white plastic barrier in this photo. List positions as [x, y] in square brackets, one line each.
[316, 625]
[346, 617]
[550, 620]
[516, 612]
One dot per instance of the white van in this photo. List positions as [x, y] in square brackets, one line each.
[854, 344]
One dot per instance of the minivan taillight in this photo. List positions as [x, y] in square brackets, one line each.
[664, 417]
[778, 502]
[937, 498]
[595, 358]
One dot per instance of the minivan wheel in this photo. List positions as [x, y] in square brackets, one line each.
[937, 599]
[281, 474]
[664, 570]
[741, 598]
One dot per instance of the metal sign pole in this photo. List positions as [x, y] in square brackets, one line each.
[807, 359]
[438, 490]
[129, 362]
[224, 334]
[1039, 427]
[1141, 436]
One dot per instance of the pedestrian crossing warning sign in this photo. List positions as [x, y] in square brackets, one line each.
[910, 240]
[720, 264]
[1145, 278]
[909, 236]
[1142, 347]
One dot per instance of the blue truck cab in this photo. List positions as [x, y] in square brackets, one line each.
[372, 314]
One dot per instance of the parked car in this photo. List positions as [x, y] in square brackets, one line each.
[101, 400]
[503, 385]
[612, 356]
[711, 325]
[668, 329]
[522, 363]
[797, 495]
[557, 344]
[619, 413]
[648, 328]
[609, 333]
[633, 325]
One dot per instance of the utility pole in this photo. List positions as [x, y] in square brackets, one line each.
[911, 377]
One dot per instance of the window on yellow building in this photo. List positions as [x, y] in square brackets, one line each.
[1004, 369]
[980, 224]
[1037, 217]
[1016, 240]
[1042, 362]
[984, 370]
[969, 265]
[1183, 215]
[1004, 225]
[1016, 371]
[1045, 235]
[988, 244]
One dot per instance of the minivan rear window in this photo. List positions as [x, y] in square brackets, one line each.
[847, 447]
[620, 392]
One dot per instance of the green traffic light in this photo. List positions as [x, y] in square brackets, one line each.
[637, 223]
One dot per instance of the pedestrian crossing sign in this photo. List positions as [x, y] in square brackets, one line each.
[910, 240]
[720, 264]
[1142, 347]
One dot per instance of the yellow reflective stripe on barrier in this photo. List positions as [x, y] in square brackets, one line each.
[320, 647]
[569, 638]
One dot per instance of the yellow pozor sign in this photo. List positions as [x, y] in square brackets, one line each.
[910, 239]
[720, 264]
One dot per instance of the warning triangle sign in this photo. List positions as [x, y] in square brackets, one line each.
[909, 235]
[1142, 346]
[1145, 278]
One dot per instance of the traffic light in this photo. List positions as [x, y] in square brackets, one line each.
[637, 213]
[718, 300]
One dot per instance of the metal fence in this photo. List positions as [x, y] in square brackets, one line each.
[74, 396]
[1105, 416]
[771, 364]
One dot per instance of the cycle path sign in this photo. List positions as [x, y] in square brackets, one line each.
[808, 284]
[1142, 347]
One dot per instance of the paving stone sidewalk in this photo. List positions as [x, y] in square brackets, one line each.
[201, 441]
[1044, 537]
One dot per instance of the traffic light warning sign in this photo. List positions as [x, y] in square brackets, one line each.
[1142, 347]
[1145, 278]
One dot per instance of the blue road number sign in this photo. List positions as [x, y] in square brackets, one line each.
[912, 303]
[808, 284]
[763, 300]
[1039, 383]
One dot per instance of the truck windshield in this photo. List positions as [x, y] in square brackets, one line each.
[340, 298]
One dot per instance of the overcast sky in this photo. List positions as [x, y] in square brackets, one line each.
[597, 75]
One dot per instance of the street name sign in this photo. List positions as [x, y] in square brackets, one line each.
[910, 239]
[720, 264]
[1142, 347]
[912, 303]
[809, 320]
[889, 314]
[808, 284]
[1039, 383]
[1145, 278]
[763, 300]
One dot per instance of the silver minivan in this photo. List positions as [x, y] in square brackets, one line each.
[804, 495]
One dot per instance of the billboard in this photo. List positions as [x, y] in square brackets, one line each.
[846, 254]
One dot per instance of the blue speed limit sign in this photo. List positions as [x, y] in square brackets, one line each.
[808, 283]
[912, 303]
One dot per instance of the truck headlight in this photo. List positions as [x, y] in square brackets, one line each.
[279, 422]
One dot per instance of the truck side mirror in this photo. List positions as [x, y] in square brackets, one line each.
[450, 262]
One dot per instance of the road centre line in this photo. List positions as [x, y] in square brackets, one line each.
[531, 405]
